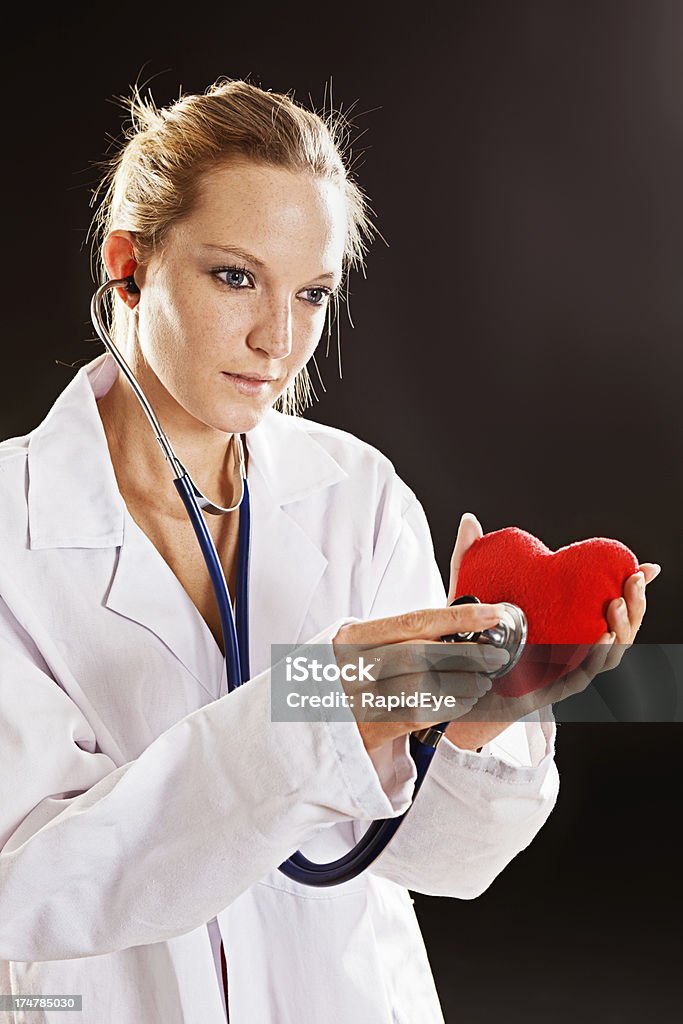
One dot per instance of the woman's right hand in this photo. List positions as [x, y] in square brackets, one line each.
[411, 658]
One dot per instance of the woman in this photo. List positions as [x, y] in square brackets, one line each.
[144, 810]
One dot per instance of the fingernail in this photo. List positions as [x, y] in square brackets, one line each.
[484, 611]
[657, 569]
[640, 580]
[621, 605]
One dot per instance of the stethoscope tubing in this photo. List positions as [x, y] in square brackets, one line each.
[375, 839]
[235, 630]
[235, 637]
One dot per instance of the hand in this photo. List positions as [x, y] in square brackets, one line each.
[412, 659]
[624, 617]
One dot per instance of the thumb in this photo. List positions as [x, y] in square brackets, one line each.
[468, 531]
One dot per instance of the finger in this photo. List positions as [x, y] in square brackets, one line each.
[575, 682]
[634, 593]
[421, 624]
[627, 612]
[418, 698]
[650, 570]
[468, 531]
[430, 686]
[492, 707]
[474, 657]
[604, 656]
[618, 620]
[417, 656]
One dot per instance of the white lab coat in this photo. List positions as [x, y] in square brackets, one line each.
[139, 801]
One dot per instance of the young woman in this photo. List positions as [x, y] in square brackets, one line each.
[144, 810]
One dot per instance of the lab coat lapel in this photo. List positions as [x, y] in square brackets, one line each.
[74, 502]
[286, 567]
[145, 590]
[284, 571]
[286, 465]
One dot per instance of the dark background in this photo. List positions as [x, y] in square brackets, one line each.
[516, 353]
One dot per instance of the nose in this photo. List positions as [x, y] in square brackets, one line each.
[272, 331]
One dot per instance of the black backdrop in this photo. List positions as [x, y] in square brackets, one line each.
[517, 347]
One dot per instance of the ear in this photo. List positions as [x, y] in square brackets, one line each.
[119, 258]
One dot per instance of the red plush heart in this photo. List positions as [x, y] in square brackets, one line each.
[564, 595]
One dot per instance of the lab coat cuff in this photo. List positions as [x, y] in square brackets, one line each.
[396, 772]
[375, 783]
[522, 754]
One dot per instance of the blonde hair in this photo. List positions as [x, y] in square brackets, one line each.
[153, 180]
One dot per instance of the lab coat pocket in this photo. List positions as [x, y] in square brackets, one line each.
[127, 986]
[291, 939]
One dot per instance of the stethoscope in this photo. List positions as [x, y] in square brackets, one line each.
[510, 633]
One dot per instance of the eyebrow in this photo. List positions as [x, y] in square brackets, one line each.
[248, 257]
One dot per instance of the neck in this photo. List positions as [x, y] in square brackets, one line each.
[142, 471]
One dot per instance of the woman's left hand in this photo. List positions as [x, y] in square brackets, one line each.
[624, 618]
[625, 614]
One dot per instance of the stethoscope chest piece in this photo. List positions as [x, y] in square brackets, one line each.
[510, 633]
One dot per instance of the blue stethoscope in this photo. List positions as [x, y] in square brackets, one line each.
[510, 632]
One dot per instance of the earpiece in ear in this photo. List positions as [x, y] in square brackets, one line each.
[131, 287]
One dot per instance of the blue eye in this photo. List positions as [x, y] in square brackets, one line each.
[237, 277]
[321, 295]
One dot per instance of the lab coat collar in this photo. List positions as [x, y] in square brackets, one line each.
[74, 502]
[73, 496]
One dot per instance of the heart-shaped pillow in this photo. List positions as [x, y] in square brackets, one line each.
[564, 595]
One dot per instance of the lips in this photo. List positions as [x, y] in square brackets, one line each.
[248, 376]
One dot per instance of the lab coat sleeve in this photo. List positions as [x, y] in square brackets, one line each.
[475, 811]
[96, 857]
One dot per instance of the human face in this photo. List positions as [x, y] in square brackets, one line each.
[240, 286]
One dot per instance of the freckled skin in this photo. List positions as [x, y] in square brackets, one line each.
[190, 324]
[295, 224]
[193, 325]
